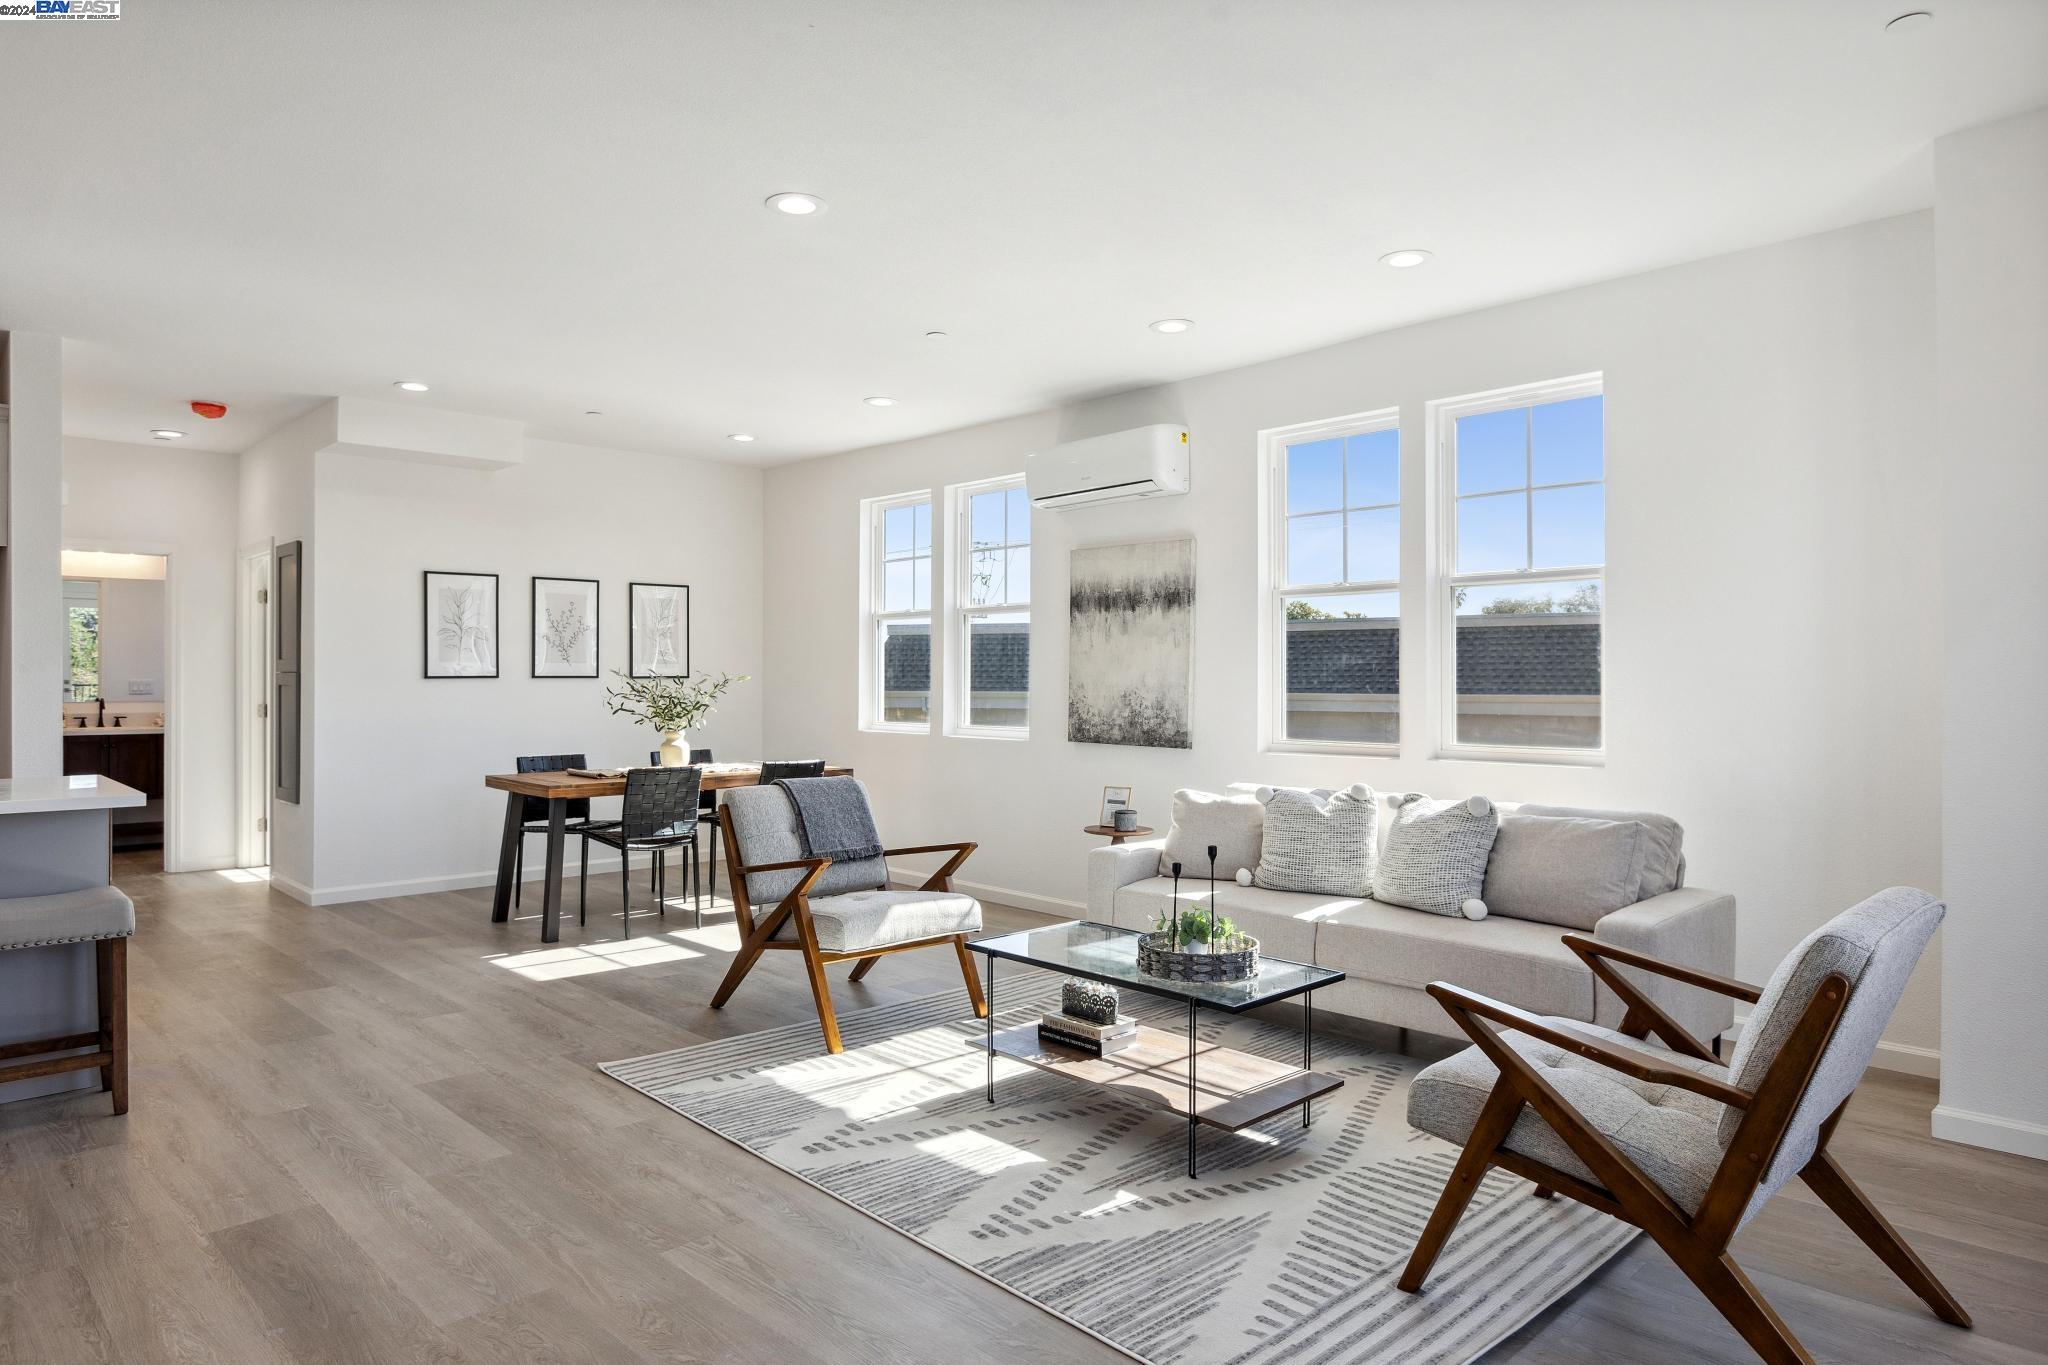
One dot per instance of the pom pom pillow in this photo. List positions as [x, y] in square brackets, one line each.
[1435, 858]
[1320, 842]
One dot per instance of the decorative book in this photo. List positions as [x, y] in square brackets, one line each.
[1098, 1040]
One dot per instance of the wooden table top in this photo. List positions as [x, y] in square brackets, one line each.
[563, 787]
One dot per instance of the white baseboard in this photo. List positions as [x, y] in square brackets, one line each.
[1904, 1059]
[1001, 895]
[458, 881]
[2017, 1136]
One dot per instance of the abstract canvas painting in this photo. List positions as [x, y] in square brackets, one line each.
[658, 622]
[461, 625]
[1131, 644]
[564, 627]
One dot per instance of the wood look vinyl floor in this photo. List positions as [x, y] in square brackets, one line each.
[375, 1133]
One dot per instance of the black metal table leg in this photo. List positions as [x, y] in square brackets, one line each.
[508, 855]
[551, 892]
[1305, 1055]
[1191, 1090]
[991, 994]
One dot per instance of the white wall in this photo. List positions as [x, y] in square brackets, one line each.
[132, 639]
[1991, 273]
[32, 657]
[181, 503]
[401, 757]
[1772, 655]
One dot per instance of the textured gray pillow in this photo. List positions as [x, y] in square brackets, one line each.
[1325, 843]
[1565, 871]
[1663, 860]
[1233, 823]
[1435, 858]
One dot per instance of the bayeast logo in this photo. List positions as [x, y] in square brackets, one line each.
[62, 9]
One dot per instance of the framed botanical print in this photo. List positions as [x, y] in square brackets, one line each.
[658, 630]
[461, 625]
[564, 627]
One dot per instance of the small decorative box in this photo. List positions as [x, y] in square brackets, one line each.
[1090, 1000]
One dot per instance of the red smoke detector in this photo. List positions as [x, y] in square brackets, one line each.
[210, 409]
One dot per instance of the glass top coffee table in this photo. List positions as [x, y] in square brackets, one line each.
[1218, 1086]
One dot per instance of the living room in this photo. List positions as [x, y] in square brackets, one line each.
[1380, 549]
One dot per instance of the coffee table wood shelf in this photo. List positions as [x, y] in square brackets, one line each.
[1232, 1090]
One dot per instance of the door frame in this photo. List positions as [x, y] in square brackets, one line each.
[174, 673]
[253, 648]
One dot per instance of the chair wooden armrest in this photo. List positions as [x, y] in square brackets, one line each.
[1628, 1062]
[793, 865]
[1590, 948]
[942, 880]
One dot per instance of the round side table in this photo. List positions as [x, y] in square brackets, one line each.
[1116, 836]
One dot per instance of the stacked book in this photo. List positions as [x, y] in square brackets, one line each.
[1084, 1035]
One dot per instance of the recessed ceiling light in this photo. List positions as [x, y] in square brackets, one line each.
[800, 205]
[1172, 325]
[1910, 22]
[166, 434]
[741, 436]
[1407, 258]
[878, 401]
[409, 385]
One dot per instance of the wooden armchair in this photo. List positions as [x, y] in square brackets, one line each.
[832, 911]
[1664, 1137]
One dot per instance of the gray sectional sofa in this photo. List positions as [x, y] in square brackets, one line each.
[1389, 954]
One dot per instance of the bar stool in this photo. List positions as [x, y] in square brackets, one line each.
[103, 917]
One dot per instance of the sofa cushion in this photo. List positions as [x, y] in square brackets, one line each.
[1663, 861]
[1669, 1133]
[765, 825]
[1435, 858]
[1233, 822]
[1519, 961]
[1284, 922]
[1326, 844]
[1564, 870]
[876, 919]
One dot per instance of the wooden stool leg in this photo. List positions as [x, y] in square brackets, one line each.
[111, 959]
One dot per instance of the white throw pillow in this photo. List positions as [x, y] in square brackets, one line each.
[1233, 823]
[1319, 842]
[1435, 858]
[1565, 871]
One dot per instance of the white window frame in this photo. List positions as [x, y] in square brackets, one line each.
[960, 612]
[1274, 588]
[874, 619]
[1441, 428]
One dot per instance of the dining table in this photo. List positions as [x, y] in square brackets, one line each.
[558, 789]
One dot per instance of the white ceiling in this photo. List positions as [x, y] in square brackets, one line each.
[541, 210]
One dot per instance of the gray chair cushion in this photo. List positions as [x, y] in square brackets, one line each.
[1564, 870]
[1669, 1133]
[1664, 861]
[858, 920]
[1519, 961]
[1874, 945]
[765, 824]
[67, 917]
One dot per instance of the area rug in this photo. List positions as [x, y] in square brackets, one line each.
[1285, 1248]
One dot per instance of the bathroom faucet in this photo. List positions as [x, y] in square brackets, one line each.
[103, 713]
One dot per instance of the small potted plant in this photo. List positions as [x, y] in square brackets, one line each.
[672, 705]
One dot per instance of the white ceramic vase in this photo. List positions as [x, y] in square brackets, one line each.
[675, 748]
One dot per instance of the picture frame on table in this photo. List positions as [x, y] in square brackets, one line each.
[565, 627]
[1112, 799]
[658, 630]
[459, 624]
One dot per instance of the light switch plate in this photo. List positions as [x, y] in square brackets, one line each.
[140, 687]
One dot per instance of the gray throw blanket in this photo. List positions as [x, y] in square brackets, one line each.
[834, 816]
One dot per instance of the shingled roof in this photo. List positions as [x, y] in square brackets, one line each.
[1497, 655]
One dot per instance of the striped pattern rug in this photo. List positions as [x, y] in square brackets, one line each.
[1286, 1248]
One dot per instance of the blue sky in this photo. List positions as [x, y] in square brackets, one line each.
[1342, 496]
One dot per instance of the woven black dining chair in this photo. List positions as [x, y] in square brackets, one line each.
[533, 813]
[707, 814]
[789, 769]
[660, 813]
